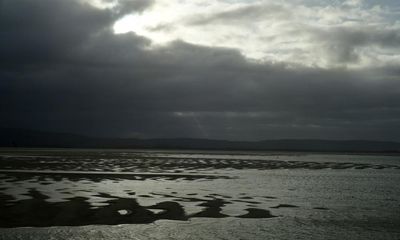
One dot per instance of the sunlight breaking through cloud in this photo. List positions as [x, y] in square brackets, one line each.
[290, 32]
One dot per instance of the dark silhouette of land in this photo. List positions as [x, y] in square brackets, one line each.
[30, 138]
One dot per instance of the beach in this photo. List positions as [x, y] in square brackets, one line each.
[148, 194]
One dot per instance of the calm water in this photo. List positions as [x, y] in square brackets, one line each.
[94, 194]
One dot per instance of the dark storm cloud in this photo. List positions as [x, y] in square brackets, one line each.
[63, 69]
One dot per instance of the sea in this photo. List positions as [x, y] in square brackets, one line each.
[181, 194]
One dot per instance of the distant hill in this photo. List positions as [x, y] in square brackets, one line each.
[31, 138]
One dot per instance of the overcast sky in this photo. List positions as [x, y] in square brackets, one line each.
[222, 69]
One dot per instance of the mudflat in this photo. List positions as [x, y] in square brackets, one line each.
[338, 194]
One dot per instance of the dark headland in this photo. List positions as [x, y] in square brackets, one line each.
[11, 137]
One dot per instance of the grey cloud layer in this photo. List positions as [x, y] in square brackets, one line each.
[62, 68]
[343, 42]
[124, 7]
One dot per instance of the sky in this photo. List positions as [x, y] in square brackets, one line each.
[220, 69]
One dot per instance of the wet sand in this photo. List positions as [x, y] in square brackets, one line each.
[53, 189]
[76, 211]
[145, 162]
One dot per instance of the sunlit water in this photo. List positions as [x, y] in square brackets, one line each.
[198, 195]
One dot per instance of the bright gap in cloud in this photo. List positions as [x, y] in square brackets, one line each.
[292, 32]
